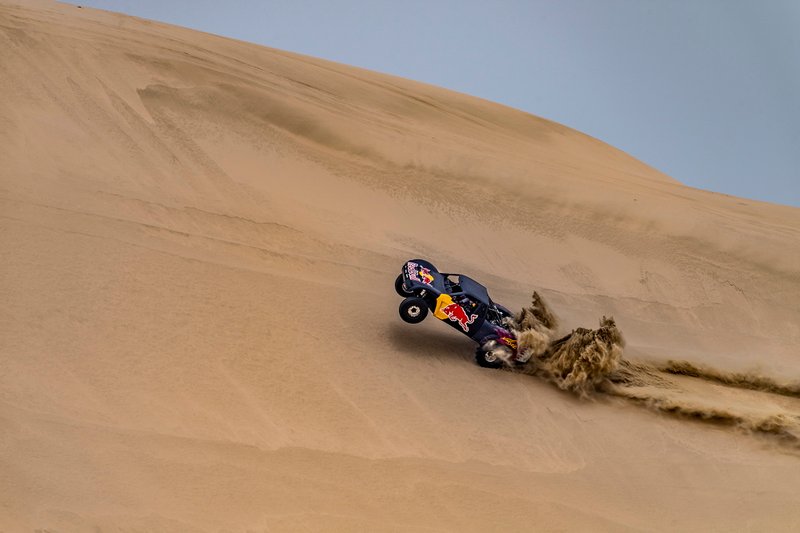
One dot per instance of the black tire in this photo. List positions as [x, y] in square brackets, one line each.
[398, 286]
[487, 359]
[413, 310]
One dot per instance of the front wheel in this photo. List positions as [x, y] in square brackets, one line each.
[401, 290]
[413, 310]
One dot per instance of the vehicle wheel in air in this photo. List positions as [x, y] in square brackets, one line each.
[398, 286]
[413, 310]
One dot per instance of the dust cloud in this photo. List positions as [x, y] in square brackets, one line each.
[578, 362]
[589, 362]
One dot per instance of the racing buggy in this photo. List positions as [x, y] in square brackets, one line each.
[461, 302]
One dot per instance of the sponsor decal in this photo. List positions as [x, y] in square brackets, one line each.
[424, 275]
[412, 271]
[456, 313]
[509, 341]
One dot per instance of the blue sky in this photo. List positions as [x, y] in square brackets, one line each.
[707, 91]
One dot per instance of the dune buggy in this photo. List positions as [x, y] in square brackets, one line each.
[461, 302]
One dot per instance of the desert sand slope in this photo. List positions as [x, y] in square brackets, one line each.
[198, 330]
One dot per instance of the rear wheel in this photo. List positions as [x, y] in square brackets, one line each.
[487, 359]
[490, 354]
[413, 310]
[398, 286]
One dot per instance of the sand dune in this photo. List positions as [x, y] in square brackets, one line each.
[198, 330]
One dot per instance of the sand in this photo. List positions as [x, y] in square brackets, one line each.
[198, 329]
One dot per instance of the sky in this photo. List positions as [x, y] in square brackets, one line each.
[707, 91]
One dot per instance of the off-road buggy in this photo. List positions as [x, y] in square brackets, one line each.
[461, 302]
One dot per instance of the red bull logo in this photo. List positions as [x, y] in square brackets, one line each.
[456, 313]
[425, 275]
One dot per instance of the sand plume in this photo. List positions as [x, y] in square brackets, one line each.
[584, 359]
[537, 315]
[588, 361]
[577, 362]
[534, 327]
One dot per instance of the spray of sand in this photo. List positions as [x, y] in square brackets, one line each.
[579, 361]
[589, 361]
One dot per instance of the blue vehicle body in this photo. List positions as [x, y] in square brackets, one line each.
[456, 299]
